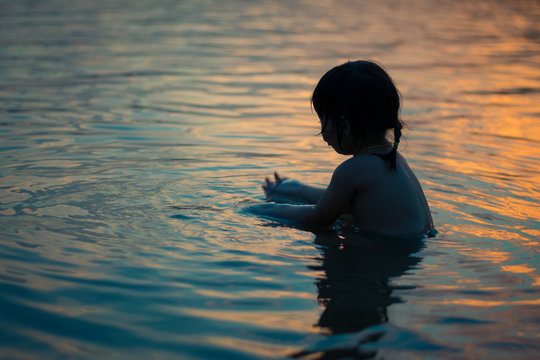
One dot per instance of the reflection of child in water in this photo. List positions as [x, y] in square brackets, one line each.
[357, 103]
[356, 288]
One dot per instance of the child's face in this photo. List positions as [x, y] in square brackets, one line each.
[342, 142]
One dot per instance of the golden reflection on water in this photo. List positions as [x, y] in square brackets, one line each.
[474, 136]
[494, 256]
[518, 269]
[267, 294]
[479, 303]
[497, 233]
[295, 320]
[259, 348]
[486, 303]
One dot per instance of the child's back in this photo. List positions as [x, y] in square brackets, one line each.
[386, 201]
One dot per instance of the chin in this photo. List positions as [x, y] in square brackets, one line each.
[343, 152]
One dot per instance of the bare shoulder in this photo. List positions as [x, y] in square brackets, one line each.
[363, 168]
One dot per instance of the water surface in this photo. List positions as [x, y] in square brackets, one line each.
[134, 133]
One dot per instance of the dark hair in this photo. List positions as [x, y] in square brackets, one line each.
[364, 95]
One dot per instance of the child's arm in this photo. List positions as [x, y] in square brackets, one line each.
[284, 189]
[333, 202]
[295, 213]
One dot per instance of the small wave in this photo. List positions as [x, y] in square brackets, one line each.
[509, 91]
[195, 208]
[509, 137]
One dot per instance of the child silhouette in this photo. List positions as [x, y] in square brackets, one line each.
[357, 104]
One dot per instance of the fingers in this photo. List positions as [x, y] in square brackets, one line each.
[279, 178]
[267, 186]
[270, 184]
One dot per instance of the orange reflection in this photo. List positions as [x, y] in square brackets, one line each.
[496, 257]
[482, 303]
[493, 256]
[467, 281]
[259, 348]
[517, 269]
[485, 232]
[267, 294]
[291, 320]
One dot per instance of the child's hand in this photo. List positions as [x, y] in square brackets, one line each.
[284, 190]
[269, 186]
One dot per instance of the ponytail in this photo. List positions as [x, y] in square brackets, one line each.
[392, 155]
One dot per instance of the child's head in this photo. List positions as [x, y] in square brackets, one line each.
[361, 97]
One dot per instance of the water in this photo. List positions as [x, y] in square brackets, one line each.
[134, 133]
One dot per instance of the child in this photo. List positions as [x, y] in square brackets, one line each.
[357, 103]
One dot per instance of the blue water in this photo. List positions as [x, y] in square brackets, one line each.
[134, 133]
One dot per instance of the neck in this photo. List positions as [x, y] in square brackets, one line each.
[372, 146]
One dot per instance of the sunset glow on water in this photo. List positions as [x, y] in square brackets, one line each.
[134, 134]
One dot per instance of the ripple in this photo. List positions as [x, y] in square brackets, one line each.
[135, 132]
[508, 91]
